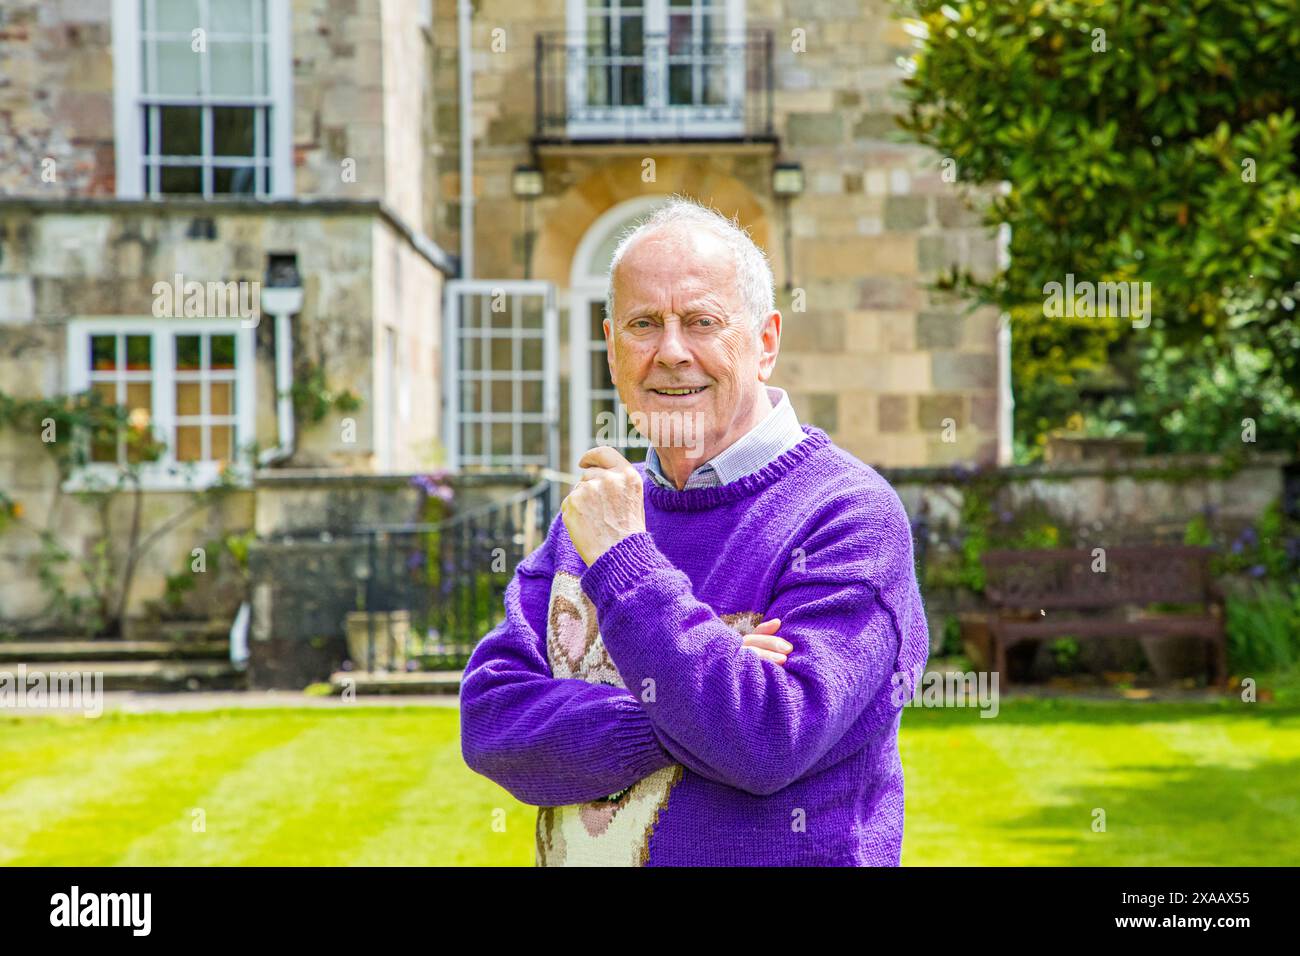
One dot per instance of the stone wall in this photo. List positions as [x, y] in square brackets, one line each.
[359, 95]
[96, 258]
[57, 99]
[1139, 501]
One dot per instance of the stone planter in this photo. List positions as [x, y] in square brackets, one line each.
[390, 629]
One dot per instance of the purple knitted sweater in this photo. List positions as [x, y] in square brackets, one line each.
[619, 699]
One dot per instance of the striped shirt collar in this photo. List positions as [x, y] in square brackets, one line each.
[764, 443]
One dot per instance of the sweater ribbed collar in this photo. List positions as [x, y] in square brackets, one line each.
[701, 499]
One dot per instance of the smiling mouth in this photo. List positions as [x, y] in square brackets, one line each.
[679, 391]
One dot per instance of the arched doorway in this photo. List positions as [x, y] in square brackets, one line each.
[593, 402]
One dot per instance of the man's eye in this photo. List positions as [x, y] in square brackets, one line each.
[706, 322]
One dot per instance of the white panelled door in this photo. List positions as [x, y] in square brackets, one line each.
[501, 374]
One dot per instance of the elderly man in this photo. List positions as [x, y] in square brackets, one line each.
[705, 662]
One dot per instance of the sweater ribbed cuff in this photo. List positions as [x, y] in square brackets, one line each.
[638, 746]
[621, 567]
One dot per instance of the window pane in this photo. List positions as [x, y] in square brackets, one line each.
[531, 396]
[107, 391]
[598, 35]
[533, 439]
[632, 92]
[188, 398]
[189, 443]
[139, 395]
[178, 69]
[231, 16]
[715, 84]
[103, 448]
[181, 129]
[502, 355]
[531, 312]
[232, 68]
[234, 181]
[597, 86]
[223, 442]
[103, 442]
[502, 438]
[223, 351]
[174, 16]
[471, 394]
[531, 355]
[232, 130]
[137, 352]
[187, 351]
[180, 179]
[679, 85]
[679, 34]
[103, 352]
[630, 37]
[503, 396]
[600, 371]
[504, 316]
[597, 313]
[221, 398]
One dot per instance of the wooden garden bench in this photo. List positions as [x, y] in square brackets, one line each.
[1051, 593]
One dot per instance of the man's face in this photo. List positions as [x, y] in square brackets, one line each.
[680, 341]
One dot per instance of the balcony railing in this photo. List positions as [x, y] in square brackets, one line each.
[658, 88]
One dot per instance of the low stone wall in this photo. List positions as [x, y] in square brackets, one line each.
[1147, 500]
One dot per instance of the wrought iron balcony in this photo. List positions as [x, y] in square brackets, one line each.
[655, 88]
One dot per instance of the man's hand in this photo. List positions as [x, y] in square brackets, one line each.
[606, 506]
[766, 644]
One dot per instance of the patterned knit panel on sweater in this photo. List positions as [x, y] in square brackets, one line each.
[614, 831]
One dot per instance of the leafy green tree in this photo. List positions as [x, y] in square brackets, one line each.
[1140, 141]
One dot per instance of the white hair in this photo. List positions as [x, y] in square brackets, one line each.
[753, 271]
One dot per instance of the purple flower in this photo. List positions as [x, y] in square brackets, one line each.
[1237, 546]
[1258, 571]
[1248, 535]
[1005, 516]
[434, 485]
[415, 561]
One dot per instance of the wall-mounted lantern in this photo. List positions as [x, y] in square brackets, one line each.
[787, 183]
[527, 183]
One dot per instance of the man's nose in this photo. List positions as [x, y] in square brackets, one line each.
[672, 350]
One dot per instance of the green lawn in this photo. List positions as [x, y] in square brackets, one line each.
[1179, 784]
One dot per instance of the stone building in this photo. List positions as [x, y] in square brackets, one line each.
[205, 207]
[238, 219]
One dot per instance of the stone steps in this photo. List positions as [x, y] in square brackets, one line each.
[398, 682]
[31, 651]
[144, 675]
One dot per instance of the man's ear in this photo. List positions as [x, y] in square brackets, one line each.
[769, 345]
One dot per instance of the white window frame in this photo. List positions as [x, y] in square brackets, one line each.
[656, 119]
[166, 474]
[485, 418]
[128, 96]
